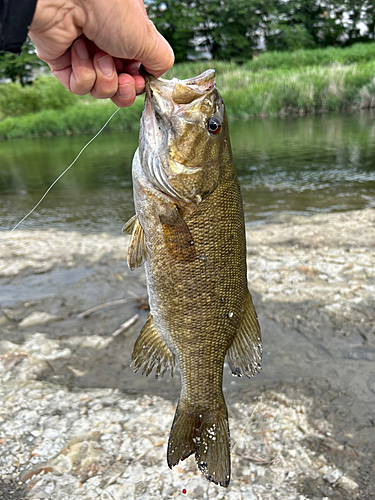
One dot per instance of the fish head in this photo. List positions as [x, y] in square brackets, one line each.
[183, 134]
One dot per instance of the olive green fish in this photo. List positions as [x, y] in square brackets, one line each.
[189, 232]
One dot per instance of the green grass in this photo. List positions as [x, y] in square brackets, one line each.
[357, 53]
[44, 93]
[275, 83]
[78, 119]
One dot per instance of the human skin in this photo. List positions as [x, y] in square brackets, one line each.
[97, 46]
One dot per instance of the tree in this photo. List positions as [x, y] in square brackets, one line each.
[20, 68]
[229, 28]
[177, 22]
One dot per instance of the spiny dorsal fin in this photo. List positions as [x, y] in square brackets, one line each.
[137, 251]
[151, 350]
[245, 353]
[177, 237]
[129, 226]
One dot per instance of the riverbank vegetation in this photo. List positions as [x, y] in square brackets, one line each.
[234, 29]
[275, 83]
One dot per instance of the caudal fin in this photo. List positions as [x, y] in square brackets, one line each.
[205, 433]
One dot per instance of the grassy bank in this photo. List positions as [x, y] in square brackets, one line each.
[77, 119]
[275, 83]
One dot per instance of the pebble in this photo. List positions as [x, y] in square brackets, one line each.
[37, 318]
[332, 476]
[106, 440]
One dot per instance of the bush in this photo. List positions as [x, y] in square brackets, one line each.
[78, 119]
[44, 93]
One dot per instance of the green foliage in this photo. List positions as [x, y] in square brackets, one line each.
[224, 28]
[176, 22]
[231, 29]
[361, 52]
[81, 118]
[290, 38]
[275, 83]
[20, 68]
[43, 93]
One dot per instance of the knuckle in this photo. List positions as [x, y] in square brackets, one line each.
[102, 90]
[83, 82]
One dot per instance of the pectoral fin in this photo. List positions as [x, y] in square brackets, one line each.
[151, 350]
[177, 237]
[245, 353]
[137, 251]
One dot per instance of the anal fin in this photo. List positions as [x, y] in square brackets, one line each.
[151, 350]
[245, 353]
[137, 251]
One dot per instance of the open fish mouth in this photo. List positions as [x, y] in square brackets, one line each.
[174, 135]
[167, 97]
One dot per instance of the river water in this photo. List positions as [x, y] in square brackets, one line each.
[307, 165]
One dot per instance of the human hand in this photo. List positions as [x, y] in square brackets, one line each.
[97, 46]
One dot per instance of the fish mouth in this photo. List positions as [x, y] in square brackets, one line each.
[167, 96]
[164, 100]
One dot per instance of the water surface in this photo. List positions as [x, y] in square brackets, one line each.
[307, 165]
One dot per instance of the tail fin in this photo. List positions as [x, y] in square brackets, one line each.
[205, 433]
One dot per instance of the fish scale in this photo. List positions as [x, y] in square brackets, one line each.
[194, 249]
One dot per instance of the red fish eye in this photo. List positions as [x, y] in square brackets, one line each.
[213, 126]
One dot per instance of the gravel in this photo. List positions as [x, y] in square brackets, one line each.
[77, 424]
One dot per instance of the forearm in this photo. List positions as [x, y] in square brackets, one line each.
[15, 19]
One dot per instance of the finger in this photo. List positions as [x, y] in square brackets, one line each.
[125, 95]
[133, 68]
[106, 84]
[156, 54]
[83, 75]
[61, 68]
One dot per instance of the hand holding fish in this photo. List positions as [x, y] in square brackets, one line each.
[97, 47]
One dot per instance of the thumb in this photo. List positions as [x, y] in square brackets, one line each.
[156, 55]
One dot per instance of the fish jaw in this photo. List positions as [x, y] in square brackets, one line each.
[181, 156]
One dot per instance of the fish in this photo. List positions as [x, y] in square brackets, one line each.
[189, 232]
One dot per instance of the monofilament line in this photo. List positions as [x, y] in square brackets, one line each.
[3, 240]
[243, 430]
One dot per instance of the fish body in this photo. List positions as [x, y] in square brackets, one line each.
[189, 231]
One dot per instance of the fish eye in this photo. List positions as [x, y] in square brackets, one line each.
[213, 126]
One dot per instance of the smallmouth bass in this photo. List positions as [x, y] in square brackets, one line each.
[189, 232]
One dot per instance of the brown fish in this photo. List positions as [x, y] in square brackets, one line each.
[189, 231]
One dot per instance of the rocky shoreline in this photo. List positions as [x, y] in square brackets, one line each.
[76, 423]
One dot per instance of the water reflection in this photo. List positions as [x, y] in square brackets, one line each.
[306, 165]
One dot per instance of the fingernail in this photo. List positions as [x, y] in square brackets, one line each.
[106, 66]
[81, 49]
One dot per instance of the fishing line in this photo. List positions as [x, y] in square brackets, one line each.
[243, 430]
[3, 240]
